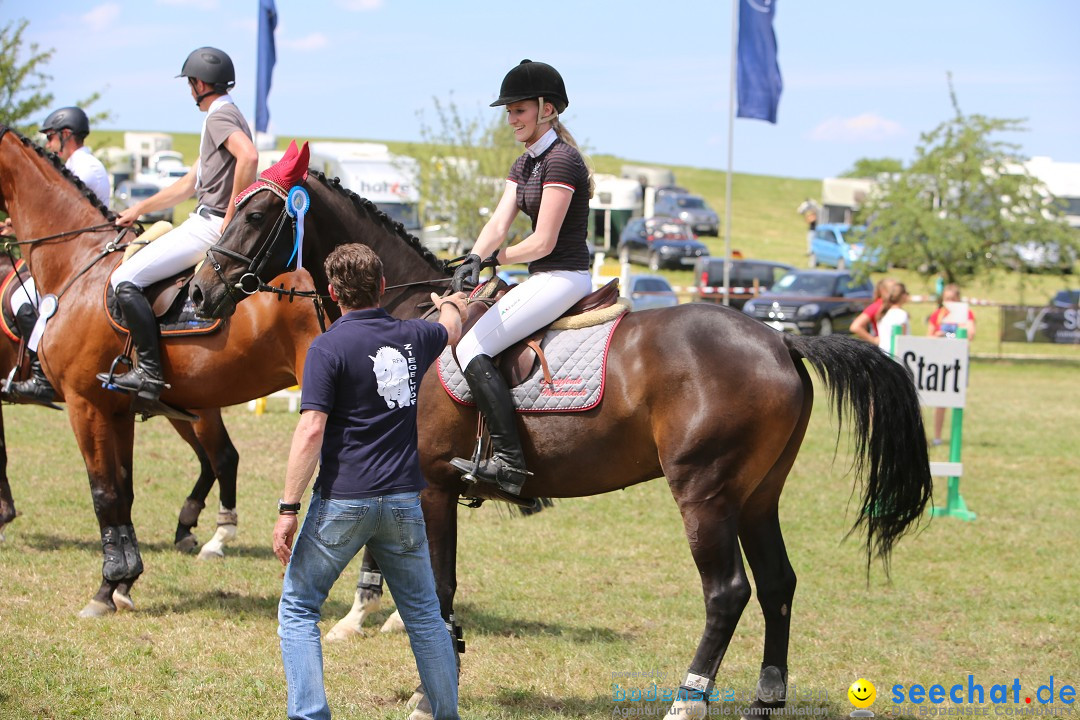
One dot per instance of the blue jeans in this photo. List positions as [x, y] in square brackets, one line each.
[392, 527]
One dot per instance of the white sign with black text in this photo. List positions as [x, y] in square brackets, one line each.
[939, 367]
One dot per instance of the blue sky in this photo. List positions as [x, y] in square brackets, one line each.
[647, 81]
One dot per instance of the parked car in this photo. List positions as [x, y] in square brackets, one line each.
[747, 279]
[1066, 299]
[833, 245]
[650, 291]
[130, 192]
[668, 190]
[812, 302]
[691, 209]
[659, 243]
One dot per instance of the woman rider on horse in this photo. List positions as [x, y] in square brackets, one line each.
[227, 164]
[552, 185]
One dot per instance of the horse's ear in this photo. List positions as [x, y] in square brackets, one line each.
[305, 159]
[372, 358]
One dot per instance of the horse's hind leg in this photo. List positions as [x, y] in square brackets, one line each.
[774, 578]
[711, 523]
[367, 600]
[211, 443]
[185, 540]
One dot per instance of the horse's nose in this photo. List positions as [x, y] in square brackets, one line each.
[196, 295]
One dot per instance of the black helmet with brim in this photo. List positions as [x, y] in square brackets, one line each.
[530, 80]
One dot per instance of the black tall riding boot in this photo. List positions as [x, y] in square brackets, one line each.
[37, 387]
[506, 466]
[146, 378]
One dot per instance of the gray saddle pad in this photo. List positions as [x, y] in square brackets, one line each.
[578, 363]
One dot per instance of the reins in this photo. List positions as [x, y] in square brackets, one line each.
[66, 233]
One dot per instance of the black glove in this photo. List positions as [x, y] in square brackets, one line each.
[467, 274]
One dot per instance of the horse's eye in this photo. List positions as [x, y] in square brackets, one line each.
[255, 218]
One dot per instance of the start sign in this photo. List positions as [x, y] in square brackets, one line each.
[939, 367]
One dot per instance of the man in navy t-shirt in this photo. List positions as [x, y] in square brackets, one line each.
[358, 421]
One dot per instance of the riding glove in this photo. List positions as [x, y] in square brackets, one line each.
[467, 274]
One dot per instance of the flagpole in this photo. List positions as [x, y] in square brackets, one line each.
[730, 150]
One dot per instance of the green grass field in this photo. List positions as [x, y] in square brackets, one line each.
[557, 607]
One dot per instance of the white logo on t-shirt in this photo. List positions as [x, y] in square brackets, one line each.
[392, 375]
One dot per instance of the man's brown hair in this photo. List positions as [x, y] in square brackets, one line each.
[355, 272]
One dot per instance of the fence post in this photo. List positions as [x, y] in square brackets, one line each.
[954, 502]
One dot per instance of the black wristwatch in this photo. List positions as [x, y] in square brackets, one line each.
[285, 508]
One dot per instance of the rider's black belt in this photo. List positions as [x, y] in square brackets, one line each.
[209, 214]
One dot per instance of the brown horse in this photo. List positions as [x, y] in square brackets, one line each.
[258, 352]
[713, 400]
[208, 438]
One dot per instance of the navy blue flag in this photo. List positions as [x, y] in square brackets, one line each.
[267, 58]
[759, 82]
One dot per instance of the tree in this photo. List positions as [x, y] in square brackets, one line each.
[22, 82]
[874, 167]
[463, 167]
[24, 97]
[966, 204]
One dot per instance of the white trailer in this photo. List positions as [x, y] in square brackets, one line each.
[371, 171]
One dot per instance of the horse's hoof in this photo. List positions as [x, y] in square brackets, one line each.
[96, 609]
[694, 709]
[345, 629]
[421, 707]
[393, 624]
[211, 553]
[761, 709]
[123, 602]
[2, 538]
[186, 544]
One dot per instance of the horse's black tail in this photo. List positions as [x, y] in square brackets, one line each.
[871, 390]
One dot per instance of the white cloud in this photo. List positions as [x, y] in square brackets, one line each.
[861, 128]
[101, 16]
[360, 5]
[312, 41]
[200, 4]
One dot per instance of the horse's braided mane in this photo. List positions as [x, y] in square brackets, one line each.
[382, 218]
[72, 177]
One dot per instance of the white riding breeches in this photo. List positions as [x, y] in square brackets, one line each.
[26, 292]
[175, 251]
[526, 308]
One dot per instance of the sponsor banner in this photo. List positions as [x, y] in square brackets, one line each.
[1027, 324]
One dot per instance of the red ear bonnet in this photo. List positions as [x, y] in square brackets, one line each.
[289, 171]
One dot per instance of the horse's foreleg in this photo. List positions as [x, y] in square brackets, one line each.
[7, 503]
[106, 444]
[712, 528]
[366, 600]
[223, 458]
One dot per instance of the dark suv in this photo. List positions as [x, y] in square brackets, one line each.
[659, 243]
[812, 302]
[691, 209]
[747, 278]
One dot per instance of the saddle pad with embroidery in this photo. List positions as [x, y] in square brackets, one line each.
[578, 363]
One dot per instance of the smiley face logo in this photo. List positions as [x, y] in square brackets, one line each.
[862, 693]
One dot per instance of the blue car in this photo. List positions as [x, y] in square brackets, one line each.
[835, 246]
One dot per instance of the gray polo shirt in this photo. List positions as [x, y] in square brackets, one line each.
[218, 166]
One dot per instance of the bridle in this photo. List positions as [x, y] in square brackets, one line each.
[250, 282]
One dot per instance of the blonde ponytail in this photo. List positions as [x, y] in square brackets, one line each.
[567, 138]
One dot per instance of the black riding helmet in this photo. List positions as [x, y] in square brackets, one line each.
[212, 66]
[530, 80]
[70, 118]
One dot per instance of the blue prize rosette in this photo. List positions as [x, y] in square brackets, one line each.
[297, 205]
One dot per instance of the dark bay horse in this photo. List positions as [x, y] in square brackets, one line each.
[259, 351]
[707, 397]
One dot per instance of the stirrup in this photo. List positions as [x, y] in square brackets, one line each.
[508, 478]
